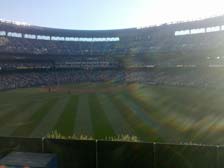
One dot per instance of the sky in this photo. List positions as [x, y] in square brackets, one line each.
[106, 14]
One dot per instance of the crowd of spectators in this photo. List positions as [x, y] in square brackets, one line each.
[22, 65]
[14, 80]
[175, 77]
[17, 45]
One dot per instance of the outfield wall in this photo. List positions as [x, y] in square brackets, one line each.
[107, 154]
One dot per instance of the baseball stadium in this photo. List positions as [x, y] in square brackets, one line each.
[109, 83]
[161, 84]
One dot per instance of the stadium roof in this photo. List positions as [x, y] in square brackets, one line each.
[30, 29]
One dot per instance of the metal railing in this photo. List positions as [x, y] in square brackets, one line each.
[111, 154]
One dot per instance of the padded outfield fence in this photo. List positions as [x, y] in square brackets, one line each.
[110, 154]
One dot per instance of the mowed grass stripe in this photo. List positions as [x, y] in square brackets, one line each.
[26, 130]
[47, 124]
[139, 112]
[4, 119]
[5, 108]
[5, 111]
[140, 128]
[83, 123]
[119, 124]
[65, 124]
[163, 131]
[101, 125]
[21, 119]
[15, 107]
[161, 107]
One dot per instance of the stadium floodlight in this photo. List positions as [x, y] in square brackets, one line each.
[197, 31]
[86, 39]
[58, 38]
[2, 33]
[41, 37]
[182, 32]
[81, 39]
[76, 39]
[29, 36]
[107, 39]
[54, 38]
[69, 39]
[222, 27]
[14, 34]
[117, 38]
[213, 29]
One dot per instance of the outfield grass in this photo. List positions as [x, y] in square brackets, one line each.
[152, 113]
[66, 121]
[100, 122]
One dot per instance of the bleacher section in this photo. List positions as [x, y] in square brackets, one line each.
[32, 55]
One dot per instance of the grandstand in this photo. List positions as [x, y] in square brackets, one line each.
[187, 45]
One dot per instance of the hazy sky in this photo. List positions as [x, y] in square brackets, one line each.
[106, 14]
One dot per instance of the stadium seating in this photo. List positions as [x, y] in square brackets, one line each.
[183, 54]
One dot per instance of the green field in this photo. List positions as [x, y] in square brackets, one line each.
[152, 113]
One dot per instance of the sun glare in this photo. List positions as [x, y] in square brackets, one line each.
[175, 10]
